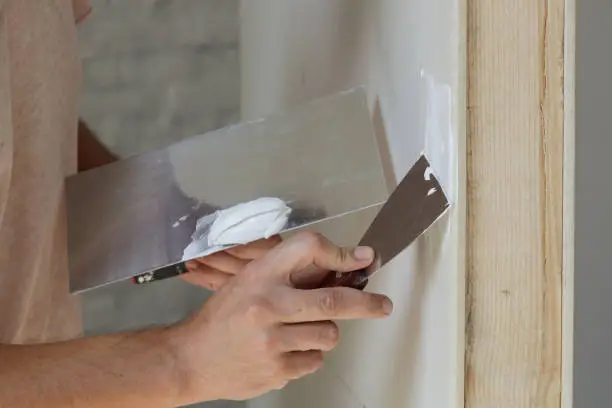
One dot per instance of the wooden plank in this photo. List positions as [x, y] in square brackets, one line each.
[569, 141]
[515, 203]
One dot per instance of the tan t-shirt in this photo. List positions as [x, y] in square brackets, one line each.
[39, 90]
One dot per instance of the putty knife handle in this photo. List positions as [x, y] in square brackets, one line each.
[161, 273]
[356, 279]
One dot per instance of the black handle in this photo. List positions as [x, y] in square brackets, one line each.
[161, 273]
[356, 279]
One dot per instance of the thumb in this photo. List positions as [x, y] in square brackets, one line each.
[309, 248]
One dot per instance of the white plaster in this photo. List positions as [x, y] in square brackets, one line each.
[239, 224]
[198, 247]
[248, 222]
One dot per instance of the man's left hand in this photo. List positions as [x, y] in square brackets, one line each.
[214, 271]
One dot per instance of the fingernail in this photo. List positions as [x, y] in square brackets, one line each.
[364, 253]
[387, 306]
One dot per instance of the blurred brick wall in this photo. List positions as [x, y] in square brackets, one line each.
[157, 71]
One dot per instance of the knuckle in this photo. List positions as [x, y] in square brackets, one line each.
[212, 284]
[330, 302]
[310, 239]
[342, 255]
[284, 303]
[271, 343]
[259, 309]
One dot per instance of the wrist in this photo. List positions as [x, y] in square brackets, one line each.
[189, 375]
[177, 374]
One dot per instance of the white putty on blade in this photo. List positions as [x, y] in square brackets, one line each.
[236, 225]
[180, 220]
[195, 250]
[248, 222]
[198, 247]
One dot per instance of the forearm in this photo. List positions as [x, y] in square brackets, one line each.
[129, 370]
[91, 152]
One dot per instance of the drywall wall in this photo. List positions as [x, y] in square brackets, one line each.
[409, 55]
[593, 205]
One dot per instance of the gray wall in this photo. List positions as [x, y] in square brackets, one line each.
[593, 268]
[155, 72]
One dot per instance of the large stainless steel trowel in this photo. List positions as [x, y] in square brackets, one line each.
[137, 216]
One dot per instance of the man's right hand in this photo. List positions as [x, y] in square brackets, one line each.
[258, 332]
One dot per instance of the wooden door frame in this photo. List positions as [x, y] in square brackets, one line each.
[520, 184]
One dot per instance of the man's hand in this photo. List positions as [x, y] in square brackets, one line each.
[259, 331]
[214, 271]
[255, 334]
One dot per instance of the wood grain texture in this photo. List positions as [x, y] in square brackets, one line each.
[515, 203]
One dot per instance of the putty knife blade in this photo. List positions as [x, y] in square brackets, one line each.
[414, 206]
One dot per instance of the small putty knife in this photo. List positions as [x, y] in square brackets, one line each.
[414, 206]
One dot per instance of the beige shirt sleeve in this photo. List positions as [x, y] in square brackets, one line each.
[39, 88]
[6, 134]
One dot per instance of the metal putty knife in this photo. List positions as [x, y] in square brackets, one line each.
[136, 217]
[414, 206]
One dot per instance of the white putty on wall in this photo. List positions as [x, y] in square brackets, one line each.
[439, 138]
